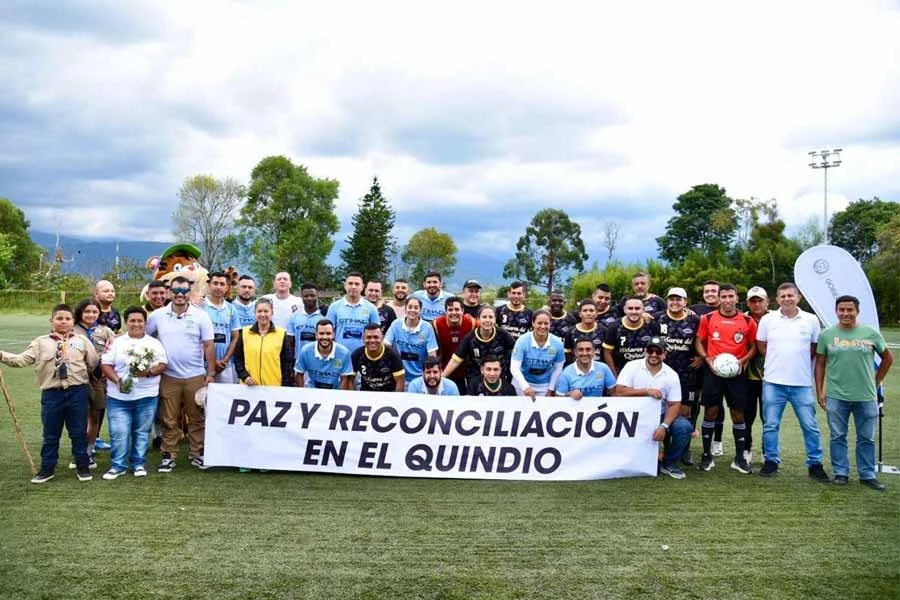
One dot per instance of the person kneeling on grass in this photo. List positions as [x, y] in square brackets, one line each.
[64, 361]
[132, 366]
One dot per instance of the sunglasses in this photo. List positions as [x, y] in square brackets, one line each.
[185, 290]
[654, 351]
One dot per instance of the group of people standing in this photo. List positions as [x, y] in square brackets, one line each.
[432, 342]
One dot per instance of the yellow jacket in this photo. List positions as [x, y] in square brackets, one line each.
[268, 358]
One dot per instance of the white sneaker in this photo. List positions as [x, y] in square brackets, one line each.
[113, 474]
[748, 456]
[140, 472]
[717, 449]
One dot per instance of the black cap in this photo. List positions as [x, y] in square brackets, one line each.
[471, 283]
[656, 342]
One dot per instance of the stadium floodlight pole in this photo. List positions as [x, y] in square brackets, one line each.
[825, 159]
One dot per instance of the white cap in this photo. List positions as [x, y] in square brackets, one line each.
[757, 292]
[677, 291]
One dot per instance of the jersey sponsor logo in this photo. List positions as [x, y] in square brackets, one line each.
[738, 337]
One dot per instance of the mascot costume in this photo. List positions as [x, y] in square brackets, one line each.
[184, 260]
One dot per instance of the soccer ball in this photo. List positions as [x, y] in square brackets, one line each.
[200, 397]
[726, 366]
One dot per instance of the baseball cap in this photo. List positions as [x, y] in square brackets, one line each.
[471, 283]
[757, 292]
[656, 342]
[677, 291]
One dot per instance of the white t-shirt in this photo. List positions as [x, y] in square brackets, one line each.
[121, 353]
[182, 336]
[635, 374]
[283, 309]
[788, 340]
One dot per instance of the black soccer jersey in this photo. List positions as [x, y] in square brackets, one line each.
[680, 352]
[377, 374]
[560, 326]
[514, 322]
[473, 348]
[702, 309]
[653, 304]
[626, 343]
[477, 387]
[387, 316]
[597, 335]
[111, 318]
[472, 311]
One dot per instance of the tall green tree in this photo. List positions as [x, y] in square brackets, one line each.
[429, 250]
[207, 209]
[882, 271]
[704, 220]
[287, 223]
[370, 244]
[551, 246]
[855, 229]
[20, 256]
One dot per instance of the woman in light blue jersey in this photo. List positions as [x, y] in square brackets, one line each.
[537, 359]
[413, 339]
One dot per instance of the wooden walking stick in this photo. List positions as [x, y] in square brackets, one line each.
[15, 418]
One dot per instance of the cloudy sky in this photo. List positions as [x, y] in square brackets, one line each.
[474, 115]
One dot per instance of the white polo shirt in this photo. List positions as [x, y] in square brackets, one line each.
[635, 374]
[788, 339]
[182, 336]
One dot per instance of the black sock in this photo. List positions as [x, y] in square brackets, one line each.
[738, 430]
[720, 425]
[707, 430]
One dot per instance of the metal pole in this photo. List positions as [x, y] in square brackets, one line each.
[825, 222]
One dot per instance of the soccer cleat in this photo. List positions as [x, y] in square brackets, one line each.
[83, 474]
[841, 480]
[166, 464]
[43, 477]
[717, 449]
[197, 461]
[672, 471]
[818, 473]
[874, 484]
[140, 471]
[706, 463]
[113, 474]
[740, 465]
[769, 469]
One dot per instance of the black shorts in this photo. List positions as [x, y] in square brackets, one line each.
[689, 394]
[734, 390]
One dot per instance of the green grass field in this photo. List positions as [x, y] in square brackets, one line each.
[222, 534]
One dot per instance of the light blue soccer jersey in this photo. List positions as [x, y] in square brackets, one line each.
[593, 383]
[246, 314]
[446, 388]
[323, 371]
[538, 361]
[224, 320]
[413, 345]
[350, 321]
[432, 308]
[302, 326]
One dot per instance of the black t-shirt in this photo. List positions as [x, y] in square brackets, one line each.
[702, 309]
[627, 344]
[597, 335]
[111, 318]
[377, 375]
[514, 322]
[680, 351]
[653, 304]
[387, 316]
[472, 350]
[560, 326]
[472, 311]
[477, 387]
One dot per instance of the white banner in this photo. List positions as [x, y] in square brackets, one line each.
[823, 273]
[412, 435]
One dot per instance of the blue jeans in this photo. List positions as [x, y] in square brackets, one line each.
[130, 422]
[865, 415]
[678, 438]
[775, 399]
[69, 407]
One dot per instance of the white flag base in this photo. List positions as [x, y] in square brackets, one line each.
[888, 469]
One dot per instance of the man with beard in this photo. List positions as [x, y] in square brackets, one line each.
[379, 367]
[586, 377]
[450, 329]
[626, 337]
[471, 298]
[491, 382]
[602, 297]
[105, 294]
[302, 325]
[399, 292]
[431, 381]
[325, 364]
[157, 293]
[352, 313]
[640, 286]
[432, 297]
[385, 313]
[758, 307]
[245, 303]
[561, 321]
[515, 317]
[586, 328]
[226, 326]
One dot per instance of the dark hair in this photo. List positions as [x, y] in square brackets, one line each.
[220, 274]
[264, 300]
[375, 281]
[539, 312]
[452, 300]
[603, 287]
[410, 299]
[322, 322]
[175, 280]
[711, 282]
[631, 297]
[371, 327]
[847, 298]
[432, 274]
[309, 285]
[557, 292]
[61, 308]
[581, 339]
[488, 307]
[401, 280]
[586, 302]
[132, 310]
[516, 285]
[79, 308]
[727, 287]
[491, 358]
[156, 283]
[243, 277]
[355, 274]
[431, 362]
[640, 274]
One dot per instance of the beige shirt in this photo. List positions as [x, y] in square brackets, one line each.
[81, 358]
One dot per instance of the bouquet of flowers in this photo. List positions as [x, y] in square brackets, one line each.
[139, 360]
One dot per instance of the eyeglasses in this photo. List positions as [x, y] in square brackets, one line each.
[654, 351]
[176, 291]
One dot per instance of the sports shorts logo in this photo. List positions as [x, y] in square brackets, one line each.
[820, 266]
